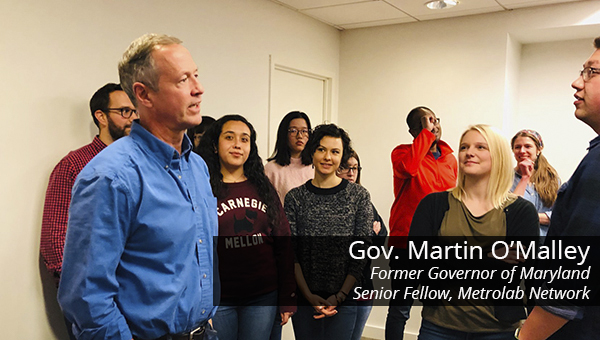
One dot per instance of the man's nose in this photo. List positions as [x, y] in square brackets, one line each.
[578, 83]
[198, 89]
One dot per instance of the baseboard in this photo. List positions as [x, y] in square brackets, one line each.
[373, 332]
[378, 333]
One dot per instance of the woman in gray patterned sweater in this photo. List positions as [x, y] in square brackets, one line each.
[323, 207]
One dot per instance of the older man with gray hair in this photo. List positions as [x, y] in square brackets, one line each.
[138, 259]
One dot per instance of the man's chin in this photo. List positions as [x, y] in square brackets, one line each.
[194, 121]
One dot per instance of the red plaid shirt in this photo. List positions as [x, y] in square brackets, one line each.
[58, 199]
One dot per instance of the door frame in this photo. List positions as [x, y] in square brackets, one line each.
[327, 90]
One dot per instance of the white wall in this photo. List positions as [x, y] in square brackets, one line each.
[506, 69]
[55, 54]
[546, 99]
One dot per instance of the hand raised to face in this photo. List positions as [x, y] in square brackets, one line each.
[526, 167]
[428, 122]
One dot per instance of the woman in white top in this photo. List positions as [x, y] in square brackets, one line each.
[479, 210]
[286, 168]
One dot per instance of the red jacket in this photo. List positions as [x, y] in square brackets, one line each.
[416, 174]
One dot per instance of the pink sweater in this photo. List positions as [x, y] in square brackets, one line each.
[285, 178]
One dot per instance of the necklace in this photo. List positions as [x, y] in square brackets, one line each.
[230, 179]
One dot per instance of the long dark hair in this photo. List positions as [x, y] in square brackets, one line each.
[207, 121]
[282, 154]
[253, 167]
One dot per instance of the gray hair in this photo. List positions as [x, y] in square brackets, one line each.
[137, 64]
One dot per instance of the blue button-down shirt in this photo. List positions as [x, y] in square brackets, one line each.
[576, 210]
[577, 215]
[138, 257]
[533, 196]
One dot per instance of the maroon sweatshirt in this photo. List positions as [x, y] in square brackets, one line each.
[255, 257]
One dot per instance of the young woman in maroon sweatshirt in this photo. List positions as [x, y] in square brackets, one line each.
[254, 250]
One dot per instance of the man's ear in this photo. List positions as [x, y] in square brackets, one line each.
[101, 117]
[414, 132]
[141, 93]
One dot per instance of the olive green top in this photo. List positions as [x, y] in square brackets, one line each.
[476, 316]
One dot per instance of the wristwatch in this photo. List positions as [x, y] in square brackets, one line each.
[517, 332]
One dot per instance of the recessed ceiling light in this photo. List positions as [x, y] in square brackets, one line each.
[441, 4]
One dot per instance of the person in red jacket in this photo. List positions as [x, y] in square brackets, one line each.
[423, 167]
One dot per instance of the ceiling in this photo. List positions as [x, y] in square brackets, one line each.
[348, 14]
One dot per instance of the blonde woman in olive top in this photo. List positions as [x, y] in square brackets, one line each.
[479, 206]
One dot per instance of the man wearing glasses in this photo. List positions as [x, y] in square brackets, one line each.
[423, 167]
[138, 257]
[575, 216]
[113, 113]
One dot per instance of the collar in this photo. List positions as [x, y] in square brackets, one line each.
[444, 148]
[327, 191]
[156, 147]
[517, 175]
[594, 142]
[97, 144]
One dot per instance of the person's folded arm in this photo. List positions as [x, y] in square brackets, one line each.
[541, 324]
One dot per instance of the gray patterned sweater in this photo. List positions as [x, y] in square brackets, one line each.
[315, 215]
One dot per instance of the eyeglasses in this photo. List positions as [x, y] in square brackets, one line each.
[355, 169]
[303, 132]
[587, 73]
[125, 112]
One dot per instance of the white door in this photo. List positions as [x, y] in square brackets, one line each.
[296, 90]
